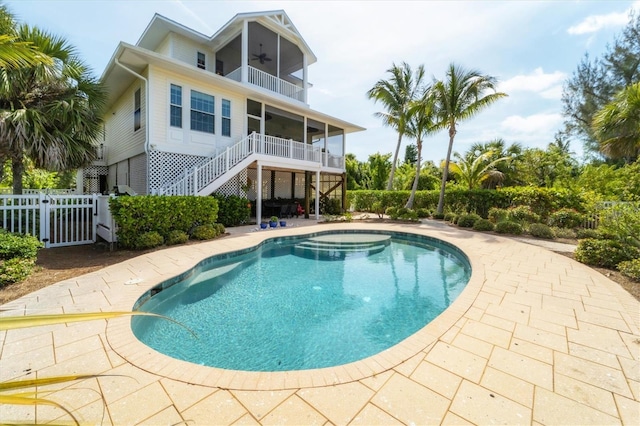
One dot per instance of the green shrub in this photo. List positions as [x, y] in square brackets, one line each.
[232, 209]
[144, 213]
[622, 222]
[392, 212]
[541, 230]
[497, 215]
[582, 234]
[379, 209]
[219, 228]
[423, 213]
[564, 232]
[450, 217]
[508, 227]
[566, 218]
[467, 220]
[483, 225]
[149, 240]
[630, 269]
[18, 245]
[604, 253]
[438, 216]
[204, 232]
[177, 237]
[15, 270]
[522, 214]
[408, 214]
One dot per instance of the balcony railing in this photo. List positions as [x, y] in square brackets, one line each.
[269, 82]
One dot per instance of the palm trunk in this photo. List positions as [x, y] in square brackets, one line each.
[414, 188]
[445, 172]
[17, 168]
[393, 165]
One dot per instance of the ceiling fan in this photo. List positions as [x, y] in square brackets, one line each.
[262, 57]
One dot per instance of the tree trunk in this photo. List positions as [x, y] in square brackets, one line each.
[393, 165]
[445, 172]
[17, 167]
[414, 188]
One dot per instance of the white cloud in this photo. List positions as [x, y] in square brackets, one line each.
[548, 85]
[532, 126]
[595, 23]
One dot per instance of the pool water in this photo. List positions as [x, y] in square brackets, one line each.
[302, 303]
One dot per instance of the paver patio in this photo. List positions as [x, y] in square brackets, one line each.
[535, 338]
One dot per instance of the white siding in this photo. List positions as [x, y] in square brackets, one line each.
[122, 173]
[121, 140]
[186, 50]
[164, 47]
[184, 141]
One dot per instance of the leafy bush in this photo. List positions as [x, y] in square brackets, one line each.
[204, 232]
[508, 227]
[18, 245]
[163, 214]
[497, 215]
[566, 218]
[450, 217]
[438, 216]
[522, 214]
[149, 240]
[391, 212]
[378, 209]
[408, 214]
[483, 225]
[219, 228]
[630, 269]
[467, 220]
[604, 253]
[15, 270]
[232, 210]
[541, 230]
[177, 237]
[422, 213]
[564, 232]
[622, 222]
[582, 234]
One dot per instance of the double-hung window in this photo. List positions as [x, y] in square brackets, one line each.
[202, 112]
[201, 61]
[176, 106]
[226, 117]
[137, 110]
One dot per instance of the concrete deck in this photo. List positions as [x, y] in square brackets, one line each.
[535, 338]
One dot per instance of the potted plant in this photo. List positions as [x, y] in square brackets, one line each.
[273, 222]
[263, 225]
[283, 223]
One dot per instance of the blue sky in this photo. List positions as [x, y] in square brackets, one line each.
[532, 47]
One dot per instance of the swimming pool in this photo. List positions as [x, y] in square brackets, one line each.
[307, 302]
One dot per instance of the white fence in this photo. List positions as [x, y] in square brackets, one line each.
[57, 220]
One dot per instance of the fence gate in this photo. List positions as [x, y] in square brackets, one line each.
[57, 220]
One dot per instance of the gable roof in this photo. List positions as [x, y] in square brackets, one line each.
[275, 20]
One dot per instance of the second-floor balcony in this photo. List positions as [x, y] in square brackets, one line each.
[269, 82]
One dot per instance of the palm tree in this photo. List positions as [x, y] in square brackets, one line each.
[460, 96]
[617, 124]
[474, 169]
[396, 95]
[15, 54]
[498, 149]
[50, 112]
[422, 121]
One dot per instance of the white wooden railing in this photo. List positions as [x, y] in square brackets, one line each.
[269, 82]
[202, 175]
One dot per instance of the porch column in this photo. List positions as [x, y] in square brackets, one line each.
[80, 182]
[259, 194]
[304, 78]
[245, 52]
[317, 194]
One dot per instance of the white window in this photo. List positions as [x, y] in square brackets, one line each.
[201, 61]
[176, 106]
[202, 112]
[226, 117]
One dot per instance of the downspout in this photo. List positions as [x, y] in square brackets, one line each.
[147, 110]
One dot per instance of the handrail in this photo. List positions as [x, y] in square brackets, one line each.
[270, 82]
[207, 171]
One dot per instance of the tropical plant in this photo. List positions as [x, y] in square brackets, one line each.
[461, 95]
[396, 95]
[498, 148]
[617, 125]
[473, 169]
[422, 121]
[15, 54]
[49, 112]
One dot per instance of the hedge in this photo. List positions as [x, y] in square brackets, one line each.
[542, 201]
[138, 215]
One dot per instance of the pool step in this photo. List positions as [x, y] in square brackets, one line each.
[338, 246]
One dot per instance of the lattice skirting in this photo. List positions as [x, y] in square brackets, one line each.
[166, 167]
[91, 178]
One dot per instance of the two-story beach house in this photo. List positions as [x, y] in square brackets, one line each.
[195, 114]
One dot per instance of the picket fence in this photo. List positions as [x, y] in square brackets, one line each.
[57, 220]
